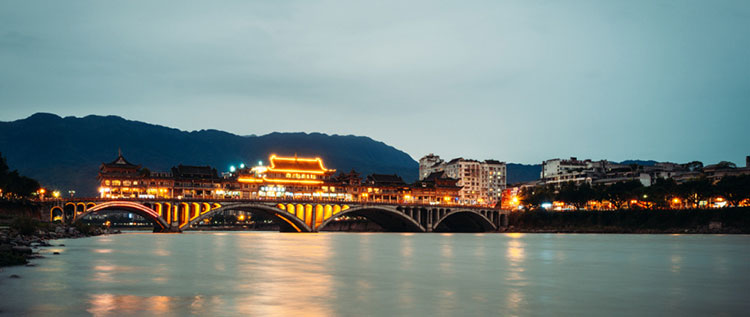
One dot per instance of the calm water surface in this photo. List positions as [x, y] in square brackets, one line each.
[385, 274]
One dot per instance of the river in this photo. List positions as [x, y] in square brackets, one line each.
[385, 274]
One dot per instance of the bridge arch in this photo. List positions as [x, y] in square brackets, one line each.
[464, 221]
[133, 207]
[288, 222]
[56, 211]
[387, 218]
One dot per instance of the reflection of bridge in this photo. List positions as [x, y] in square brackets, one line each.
[292, 215]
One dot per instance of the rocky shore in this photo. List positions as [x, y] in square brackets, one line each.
[20, 241]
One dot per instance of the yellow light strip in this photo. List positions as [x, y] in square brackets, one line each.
[271, 169]
[317, 159]
[292, 181]
[289, 222]
[249, 180]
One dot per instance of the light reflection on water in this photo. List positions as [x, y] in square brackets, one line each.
[231, 273]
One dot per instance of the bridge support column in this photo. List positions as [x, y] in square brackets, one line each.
[430, 219]
[314, 220]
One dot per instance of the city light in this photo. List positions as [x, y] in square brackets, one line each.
[232, 168]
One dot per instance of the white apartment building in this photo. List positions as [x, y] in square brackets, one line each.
[480, 182]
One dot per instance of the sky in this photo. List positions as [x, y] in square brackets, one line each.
[516, 81]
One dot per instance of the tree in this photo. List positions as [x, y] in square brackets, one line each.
[620, 193]
[660, 193]
[693, 166]
[734, 189]
[533, 197]
[14, 183]
[576, 195]
[696, 190]
[726, 165]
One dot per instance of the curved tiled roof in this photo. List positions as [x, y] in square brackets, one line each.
[294, 164]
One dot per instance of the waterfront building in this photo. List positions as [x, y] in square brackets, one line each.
[429, 164]
[436, 188]
[480, 182]
[120, 179]
[385, 188]
[299, 178]
[290, 177]
[196, 182]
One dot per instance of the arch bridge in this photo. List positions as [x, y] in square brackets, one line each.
[293, 215]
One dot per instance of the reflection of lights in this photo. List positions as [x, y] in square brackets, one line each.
[546, 205]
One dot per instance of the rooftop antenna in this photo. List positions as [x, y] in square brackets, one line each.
[119, 151]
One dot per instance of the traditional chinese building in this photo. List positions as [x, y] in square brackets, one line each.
[436, 188]
[290, 177]
[120, 179]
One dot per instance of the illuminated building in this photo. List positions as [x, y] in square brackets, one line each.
[290, 177]
[436, 188]
[385, 188]
[120, 179]
[480, 182]
[196, 182]
[283, 178]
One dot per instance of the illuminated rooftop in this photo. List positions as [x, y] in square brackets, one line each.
[297, 165]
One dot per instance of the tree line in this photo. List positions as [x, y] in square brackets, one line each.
[14, 185]
[663, 194]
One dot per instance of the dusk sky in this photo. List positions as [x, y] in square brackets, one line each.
[517, 81]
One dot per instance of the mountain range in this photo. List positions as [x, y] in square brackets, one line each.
[65, 153]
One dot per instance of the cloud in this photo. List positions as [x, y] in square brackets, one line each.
[517, 81]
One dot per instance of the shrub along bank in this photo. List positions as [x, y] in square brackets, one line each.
[726, 220]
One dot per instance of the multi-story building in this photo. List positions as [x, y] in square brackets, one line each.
[121, 179]
[480, 182]
[290, 177]
[429, 164]
[282, 178]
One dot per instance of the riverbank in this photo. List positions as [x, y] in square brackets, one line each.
[21, 236]
[692, 221]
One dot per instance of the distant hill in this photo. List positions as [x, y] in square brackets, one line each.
[65, 153]
[639, 162]
[521, 173]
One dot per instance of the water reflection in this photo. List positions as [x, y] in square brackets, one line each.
[293, 274]
[383, 274]
[118, 305]
[515, 255]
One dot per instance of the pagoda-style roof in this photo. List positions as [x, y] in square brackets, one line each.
[297, 165]
[121, 162]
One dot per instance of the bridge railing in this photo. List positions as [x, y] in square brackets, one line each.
[281, 200]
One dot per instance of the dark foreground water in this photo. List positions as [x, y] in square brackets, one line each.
[349, 274]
